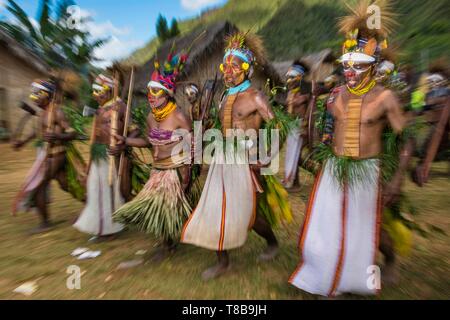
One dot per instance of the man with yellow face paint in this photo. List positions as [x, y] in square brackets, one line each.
[102, 198]
[51, 162]
[227, 209]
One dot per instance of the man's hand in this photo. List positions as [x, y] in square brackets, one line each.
[120, 139]
[258, 166]
[51, 137]
[120, 146]
[117, 150]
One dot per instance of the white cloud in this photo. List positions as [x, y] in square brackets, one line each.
[197, 4]
[120, 43]
[99, 30]
[2, 6]
[116, 49]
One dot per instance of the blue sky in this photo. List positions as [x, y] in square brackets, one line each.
[129, 23]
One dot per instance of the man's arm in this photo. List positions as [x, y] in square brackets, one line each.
[134, 140]
[263, 107]
[68, 133]
[394, 112]
[398, 121]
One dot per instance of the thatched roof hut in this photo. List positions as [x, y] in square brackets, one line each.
[21, 52]
[19, 66]
[204, 60]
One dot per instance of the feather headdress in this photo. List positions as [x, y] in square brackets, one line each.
[165, 75]
[247, 46]
[366, 37]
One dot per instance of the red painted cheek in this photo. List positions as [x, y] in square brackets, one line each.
[350, 74]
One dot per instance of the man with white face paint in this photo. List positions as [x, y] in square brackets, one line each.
[192, 93]
[103, 199]
[340, 235]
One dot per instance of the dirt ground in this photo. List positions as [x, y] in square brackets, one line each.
[45, 258]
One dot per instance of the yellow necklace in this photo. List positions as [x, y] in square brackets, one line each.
[358, 91]
[161, 114]
[108, 103]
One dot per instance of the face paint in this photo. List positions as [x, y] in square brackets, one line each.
[100, 91]
[157, 97]
[40, 97]
[294, 82]
[191, 93]
[357, 73]
[156, 92]
[233, 71]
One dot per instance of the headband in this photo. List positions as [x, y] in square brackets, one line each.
[357, 57]
[154, 84]
[246, 56]
[296, 70]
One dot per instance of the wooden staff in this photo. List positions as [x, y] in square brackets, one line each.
[127, 120]
[114, 127]
[311, 113]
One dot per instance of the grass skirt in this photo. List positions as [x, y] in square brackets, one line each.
[160, 209]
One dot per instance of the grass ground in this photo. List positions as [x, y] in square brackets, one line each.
[45, 258]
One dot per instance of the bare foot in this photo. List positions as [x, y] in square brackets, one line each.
[390, 275]
[43, 228]
[215, 272]
[159, 255]
[269, 254]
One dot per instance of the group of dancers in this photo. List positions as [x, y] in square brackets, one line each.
[343, 124]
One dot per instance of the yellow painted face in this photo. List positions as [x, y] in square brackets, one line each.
[100, 92]
[39, 95]
[155, 92]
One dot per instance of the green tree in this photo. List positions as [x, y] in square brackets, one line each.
[174, 29]
[162, 28]
[59, 43]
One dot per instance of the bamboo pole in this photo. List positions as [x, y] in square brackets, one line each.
[114, 119]
[127, 120]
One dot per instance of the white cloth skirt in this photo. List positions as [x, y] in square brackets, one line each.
[96, 218]
[226, 210]
[340, 236]
[293, 149]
